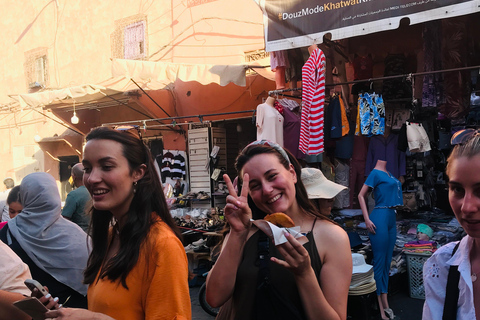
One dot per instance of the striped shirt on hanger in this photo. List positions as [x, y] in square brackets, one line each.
[313, 101]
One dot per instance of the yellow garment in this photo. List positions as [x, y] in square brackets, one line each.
[157, 284]
[345, 125]
[357, 127]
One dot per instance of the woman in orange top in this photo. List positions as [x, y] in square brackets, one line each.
[138, 268]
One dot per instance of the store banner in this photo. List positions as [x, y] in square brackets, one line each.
[300, 23]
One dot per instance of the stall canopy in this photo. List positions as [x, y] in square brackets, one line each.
[169, 72]
[300, 23]
[128, 75]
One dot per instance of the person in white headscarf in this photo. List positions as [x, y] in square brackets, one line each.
[55, 249]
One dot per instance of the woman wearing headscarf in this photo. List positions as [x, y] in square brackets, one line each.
[54, 248]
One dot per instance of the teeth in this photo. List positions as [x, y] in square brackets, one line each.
[274, 199]
[99, 192]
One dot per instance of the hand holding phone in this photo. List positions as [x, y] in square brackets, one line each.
[40, 292]
[34, 284]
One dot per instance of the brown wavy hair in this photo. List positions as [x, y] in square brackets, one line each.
[300, 192]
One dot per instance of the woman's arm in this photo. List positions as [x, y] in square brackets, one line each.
[7, 310]
[75, 314]
[363, 205]
[221, 278]
[327, 300]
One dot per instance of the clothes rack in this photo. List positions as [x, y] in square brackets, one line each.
[406, 76]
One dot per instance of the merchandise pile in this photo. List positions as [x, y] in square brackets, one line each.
[419, 246]
[362, 277]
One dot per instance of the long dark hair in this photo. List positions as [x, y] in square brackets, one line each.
[148, 199]
[300, 192]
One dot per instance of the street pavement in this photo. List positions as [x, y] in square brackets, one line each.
[197, 311]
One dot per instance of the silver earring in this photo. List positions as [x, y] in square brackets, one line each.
[135, 187]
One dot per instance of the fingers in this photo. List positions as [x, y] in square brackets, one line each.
[228, 182]
[52, 314]
[245, 186]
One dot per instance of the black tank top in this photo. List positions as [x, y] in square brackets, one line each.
[281, 278]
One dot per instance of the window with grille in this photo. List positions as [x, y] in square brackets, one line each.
[134, 41]
[39, 76]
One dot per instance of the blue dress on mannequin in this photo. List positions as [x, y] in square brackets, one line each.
[387, 191]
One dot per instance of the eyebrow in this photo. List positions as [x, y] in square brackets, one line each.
[101, 160]
[265, 174]
[455, 183]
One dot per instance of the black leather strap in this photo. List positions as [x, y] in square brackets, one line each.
[452, 292]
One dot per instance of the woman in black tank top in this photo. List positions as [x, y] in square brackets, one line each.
[260, 280]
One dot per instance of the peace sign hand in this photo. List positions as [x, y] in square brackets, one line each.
[237, 212]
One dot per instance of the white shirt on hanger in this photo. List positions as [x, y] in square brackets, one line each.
[269, 124]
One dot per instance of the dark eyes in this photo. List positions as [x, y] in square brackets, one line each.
[272, 176]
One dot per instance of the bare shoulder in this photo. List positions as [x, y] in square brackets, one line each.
[327, 231]
[330, 238]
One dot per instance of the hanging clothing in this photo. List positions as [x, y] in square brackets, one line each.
[269, 124]
[313, 100]
[279, 59]
[398, 88]
[344, 146]
[362, 67]
[432, 90]
[345, 123]
[381, 148]
[357, 167]
[372, 114]
[417, 138]
[167, 164]
[342, 172]
[178, 167]
[333, 120]
[291, 132]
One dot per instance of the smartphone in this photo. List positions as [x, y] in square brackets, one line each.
[33, 307]
[34, 284]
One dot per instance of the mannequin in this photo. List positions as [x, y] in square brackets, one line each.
[381, 225]
[270, 101]
[269, 122]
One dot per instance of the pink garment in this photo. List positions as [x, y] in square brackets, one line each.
[313, 102]
[2, 224]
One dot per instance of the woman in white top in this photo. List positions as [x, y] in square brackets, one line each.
[463, 171]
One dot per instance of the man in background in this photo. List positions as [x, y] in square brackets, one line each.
[9, 184]
[74, 208]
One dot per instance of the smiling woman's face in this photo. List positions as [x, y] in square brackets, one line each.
[272, 186]
[464, 193]
[108, 177]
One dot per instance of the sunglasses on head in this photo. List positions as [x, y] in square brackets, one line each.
[462, 136]
[132, 130]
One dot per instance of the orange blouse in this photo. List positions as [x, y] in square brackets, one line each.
[157, 285]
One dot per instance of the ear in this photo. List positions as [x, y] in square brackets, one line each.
[294, 174]
[139, 172]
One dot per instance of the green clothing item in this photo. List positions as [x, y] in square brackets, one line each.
[74, 208]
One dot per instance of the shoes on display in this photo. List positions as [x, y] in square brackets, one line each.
[189, 248]
[199, 242]
[202, 195]
[202, 248]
